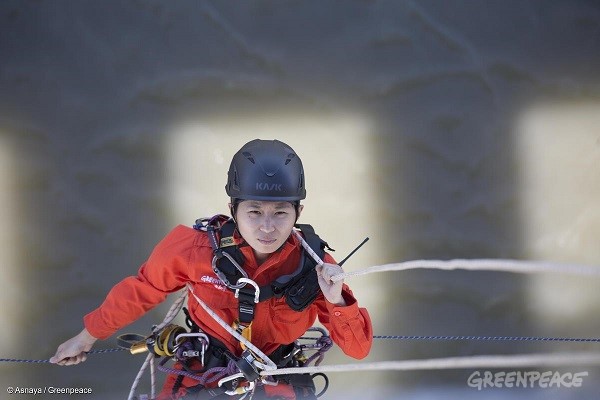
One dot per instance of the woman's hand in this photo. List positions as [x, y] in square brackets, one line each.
[74, 350]
[331, 290]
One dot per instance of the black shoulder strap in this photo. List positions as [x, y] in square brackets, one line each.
[314, 241]
[223, 242]
[227, 244]
[224, 247]
[304, 288]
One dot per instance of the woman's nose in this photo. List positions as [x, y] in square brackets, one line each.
[267, 225]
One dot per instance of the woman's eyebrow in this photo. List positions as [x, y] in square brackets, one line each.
[283, 204]
[278, 206]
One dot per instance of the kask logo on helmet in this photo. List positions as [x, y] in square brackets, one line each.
[273, 187]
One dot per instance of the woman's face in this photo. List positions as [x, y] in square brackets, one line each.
[265, 225]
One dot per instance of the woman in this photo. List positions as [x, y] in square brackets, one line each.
[265, 184]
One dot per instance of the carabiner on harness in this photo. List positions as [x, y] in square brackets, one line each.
[237, 389]
[222, 276]
[204, 343]
[247, 297]
[245, 281]
[163, 343]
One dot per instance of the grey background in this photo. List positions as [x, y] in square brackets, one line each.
[90, 91]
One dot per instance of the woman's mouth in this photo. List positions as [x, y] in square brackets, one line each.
[267, 242]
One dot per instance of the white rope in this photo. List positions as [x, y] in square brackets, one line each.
[270, 365]
[136, 381]
[517, 266]
[525, 267]
[172, 313]
[169, 317]
[485, 361]
[152, 379]
[308, 249]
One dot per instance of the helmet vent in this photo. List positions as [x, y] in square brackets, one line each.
[236, 180]
[290, 157]
[249, 157]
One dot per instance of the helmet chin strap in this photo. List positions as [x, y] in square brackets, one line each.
[232, 208]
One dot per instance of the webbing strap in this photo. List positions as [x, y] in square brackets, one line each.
[226, 244]
[246, 304]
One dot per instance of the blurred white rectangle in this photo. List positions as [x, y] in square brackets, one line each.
[558, 150]
[10, 284]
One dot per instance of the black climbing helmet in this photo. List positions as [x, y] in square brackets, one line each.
[267, 170]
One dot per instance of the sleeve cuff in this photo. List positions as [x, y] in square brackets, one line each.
[94, 329]
[344, 313]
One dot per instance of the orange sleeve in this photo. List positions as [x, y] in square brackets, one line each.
[165, 271]
[349, 326]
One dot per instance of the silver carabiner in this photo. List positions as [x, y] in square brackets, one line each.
[241, 390]
[266, 381]
[202, 338]
[249, 282]
[230, 378]
[222, 276]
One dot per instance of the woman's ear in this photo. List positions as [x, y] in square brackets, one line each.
[299, 211]
[231, 210]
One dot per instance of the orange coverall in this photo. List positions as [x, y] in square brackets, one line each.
[185, 255]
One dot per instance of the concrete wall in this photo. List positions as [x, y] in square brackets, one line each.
[439, 129]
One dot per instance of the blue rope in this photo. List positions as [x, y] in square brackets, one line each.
[19, 360]
[388, 337]
[489, 338]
